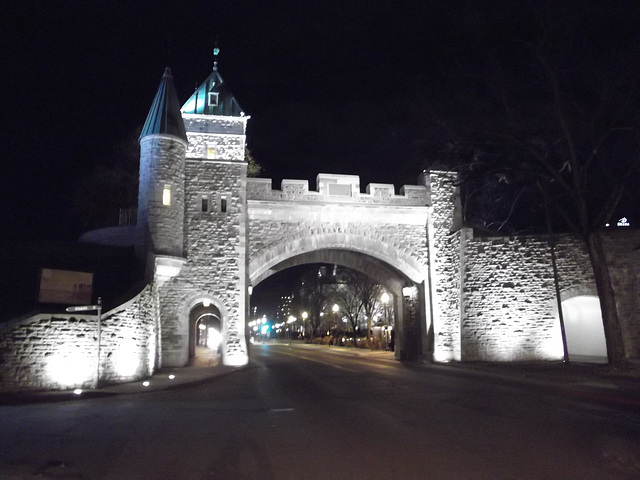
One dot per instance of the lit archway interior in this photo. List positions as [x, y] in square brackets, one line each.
[205, 335]
[584, 329]
[410, 326]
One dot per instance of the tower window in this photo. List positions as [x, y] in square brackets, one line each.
[223, 204]
[213, 99]
[204, 203]
[166, 195]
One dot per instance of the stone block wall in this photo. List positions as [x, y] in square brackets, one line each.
[509, 304]
[215, 253]
[444, 265]
[59, 351]
[219, 138]
[290, 230]
[508, 300]
[161, 163]
[622, 247]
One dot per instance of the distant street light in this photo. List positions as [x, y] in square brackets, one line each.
[384, 298]
[336, 311]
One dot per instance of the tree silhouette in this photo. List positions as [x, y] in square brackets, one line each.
[552, 134]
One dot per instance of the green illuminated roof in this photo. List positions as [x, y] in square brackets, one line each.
[164, 116]
[213, 98]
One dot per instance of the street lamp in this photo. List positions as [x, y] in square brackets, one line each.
[290, 321]
[384, 298]
[304, 316]
[335, 309]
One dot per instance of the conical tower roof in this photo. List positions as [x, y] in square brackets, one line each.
[213, 97]
[164, 116]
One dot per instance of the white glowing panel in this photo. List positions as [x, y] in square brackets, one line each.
[583, 326]
[126, 358]
[70, 369]
[214, 338]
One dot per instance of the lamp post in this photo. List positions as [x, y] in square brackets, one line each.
[290, 321]
[98, 308]
[304, 316]
[384, 298]
[336, 310]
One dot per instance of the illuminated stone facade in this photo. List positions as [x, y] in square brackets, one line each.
[457, 296]
[60, 351]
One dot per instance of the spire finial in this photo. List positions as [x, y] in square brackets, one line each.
[216, 51]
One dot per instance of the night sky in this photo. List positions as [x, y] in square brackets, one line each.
[350, 87]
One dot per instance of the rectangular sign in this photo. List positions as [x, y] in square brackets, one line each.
[65, 286]
[83, 308]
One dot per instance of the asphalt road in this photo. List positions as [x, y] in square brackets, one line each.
[300, 413]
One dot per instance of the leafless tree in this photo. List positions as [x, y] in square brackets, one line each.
[559, 127]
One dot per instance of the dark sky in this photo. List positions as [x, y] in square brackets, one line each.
[331, 86]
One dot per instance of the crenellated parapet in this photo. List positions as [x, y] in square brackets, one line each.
[335, 188]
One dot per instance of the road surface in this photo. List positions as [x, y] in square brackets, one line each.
[305, 413]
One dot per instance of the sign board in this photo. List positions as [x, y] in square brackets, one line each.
[65, 286]
[83, 308]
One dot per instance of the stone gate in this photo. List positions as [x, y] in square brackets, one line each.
[208, 233]
[212, 233]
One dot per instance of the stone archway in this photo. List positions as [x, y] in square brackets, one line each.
[205, 334]
[187, 312]
[410, 309]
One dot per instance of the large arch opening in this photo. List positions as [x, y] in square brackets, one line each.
[584, 329]
[405, 312]
[205, 334]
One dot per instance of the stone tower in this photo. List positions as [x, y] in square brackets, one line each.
[216, 206]
[192, 217]
[163, 144]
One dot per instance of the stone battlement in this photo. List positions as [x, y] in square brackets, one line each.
[337, 188]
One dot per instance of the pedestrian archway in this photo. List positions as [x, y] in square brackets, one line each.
[205, 335]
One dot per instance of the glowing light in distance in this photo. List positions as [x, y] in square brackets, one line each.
[171, 377]
[214, 338]
[77, 391]
[145, 383]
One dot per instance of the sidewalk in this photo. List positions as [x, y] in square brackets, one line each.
[164, 379]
